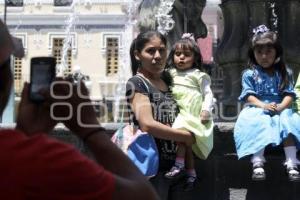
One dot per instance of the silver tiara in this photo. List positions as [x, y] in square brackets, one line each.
[260, 29]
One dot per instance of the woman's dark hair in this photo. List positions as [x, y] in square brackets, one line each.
[190, 44]
[5, 84]
[138, 44]
[269, 39]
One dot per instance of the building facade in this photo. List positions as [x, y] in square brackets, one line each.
[96, 30]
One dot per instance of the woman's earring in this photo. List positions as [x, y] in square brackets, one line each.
[139, 64]
[277, 60]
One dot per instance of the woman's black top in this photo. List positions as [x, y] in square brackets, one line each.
[164, 110]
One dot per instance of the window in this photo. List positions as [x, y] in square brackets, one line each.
[14, 3]
[18, 80]
[112, 56]
[57, 53]
[62, 2]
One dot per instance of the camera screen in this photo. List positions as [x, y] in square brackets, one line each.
[41, 77]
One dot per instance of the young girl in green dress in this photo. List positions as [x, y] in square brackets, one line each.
[192, 92]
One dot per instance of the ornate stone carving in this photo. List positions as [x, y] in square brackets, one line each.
[184, 12]
[231, 54]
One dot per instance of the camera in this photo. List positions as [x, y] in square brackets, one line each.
[42, 74]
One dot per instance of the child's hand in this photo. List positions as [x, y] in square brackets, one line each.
[270, 106]
[205, 116]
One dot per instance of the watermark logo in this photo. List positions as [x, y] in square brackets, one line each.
[105, 109]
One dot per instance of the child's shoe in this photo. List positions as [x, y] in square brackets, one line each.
[175, 173]
[190, 183]
[293, 173]
[258, 173]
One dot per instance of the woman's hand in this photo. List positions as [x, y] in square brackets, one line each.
[32, 117]
[205, 116]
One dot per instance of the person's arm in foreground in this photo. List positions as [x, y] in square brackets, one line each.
[129, 182]
[142, 109]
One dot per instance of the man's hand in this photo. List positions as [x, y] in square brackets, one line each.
[73, 107]
[32, 117]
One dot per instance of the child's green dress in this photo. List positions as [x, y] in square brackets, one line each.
[189, 96]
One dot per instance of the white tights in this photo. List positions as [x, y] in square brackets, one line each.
[258, 157]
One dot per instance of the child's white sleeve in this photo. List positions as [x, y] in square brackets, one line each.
[208, 96]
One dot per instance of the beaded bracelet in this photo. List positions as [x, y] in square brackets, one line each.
[92, 132]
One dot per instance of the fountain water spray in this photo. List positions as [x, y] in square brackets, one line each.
[164, 19]
[70, 24]
[130, 11]
[274, 17]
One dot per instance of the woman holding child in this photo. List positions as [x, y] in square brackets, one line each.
[152, 106]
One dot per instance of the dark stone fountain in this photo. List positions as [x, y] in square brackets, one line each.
[240, 17]
[185, 13]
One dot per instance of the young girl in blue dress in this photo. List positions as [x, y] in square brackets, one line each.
[267, 118]
[192, 92]
[297, 91]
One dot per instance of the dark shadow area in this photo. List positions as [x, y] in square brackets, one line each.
[222, 176]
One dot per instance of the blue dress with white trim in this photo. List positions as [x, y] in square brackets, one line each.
[255, 127]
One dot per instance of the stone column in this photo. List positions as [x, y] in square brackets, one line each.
[231, 54]
[289, 26]
[258, 13]
[193, 11]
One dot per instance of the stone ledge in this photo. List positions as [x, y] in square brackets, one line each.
[224, 127]
[222, 134]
